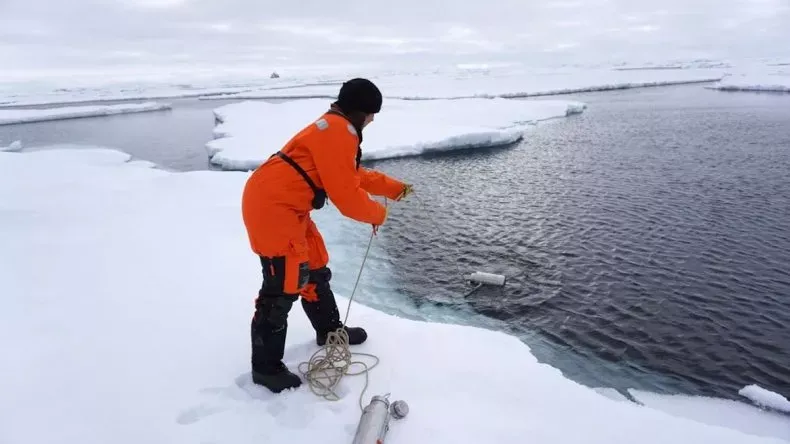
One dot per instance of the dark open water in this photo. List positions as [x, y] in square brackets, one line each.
[646, 241]
[650, 234]
[173, 138]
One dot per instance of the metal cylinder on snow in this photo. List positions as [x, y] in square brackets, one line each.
[374, 422]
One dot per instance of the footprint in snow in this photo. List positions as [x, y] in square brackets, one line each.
[212, 407]
[335, 408]
[195, 414]
[287, 408]
[285, 411]
[218, 396]
[294, 415]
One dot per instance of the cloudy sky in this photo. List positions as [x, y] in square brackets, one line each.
[48, 35]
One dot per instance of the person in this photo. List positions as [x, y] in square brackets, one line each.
[320, 161]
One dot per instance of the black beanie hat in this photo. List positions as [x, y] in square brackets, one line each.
[359, 95]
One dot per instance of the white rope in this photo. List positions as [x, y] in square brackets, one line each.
[330, 363]
[327, 366]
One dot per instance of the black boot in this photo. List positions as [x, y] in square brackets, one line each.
[324, 314]
[268, 331]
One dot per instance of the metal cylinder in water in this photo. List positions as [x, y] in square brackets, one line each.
[487, 278]
[374, 422]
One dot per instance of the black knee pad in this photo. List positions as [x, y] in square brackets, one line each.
[320, 275]
[273, 310]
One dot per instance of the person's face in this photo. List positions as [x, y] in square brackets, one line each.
[368, 118]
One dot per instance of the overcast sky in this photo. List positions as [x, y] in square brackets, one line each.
[83, 34]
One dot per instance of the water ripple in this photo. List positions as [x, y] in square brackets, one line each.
[651, 233]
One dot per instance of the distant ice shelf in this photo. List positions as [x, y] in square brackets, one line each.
[503, 85]
[14, 116]
[778, 82]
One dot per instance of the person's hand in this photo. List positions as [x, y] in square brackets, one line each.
[376, 227]
[407, 189]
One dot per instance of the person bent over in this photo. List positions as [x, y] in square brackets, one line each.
[320, 161]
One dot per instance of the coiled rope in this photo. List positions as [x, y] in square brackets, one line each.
[327, 366]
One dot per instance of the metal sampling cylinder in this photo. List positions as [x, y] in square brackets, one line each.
[374, 422]
[487, 278]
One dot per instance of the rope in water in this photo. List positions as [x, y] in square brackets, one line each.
[327, 366]
[330, 363]
[457, 249]
[437, 225]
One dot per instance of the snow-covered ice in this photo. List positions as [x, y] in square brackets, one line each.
[719, 412]
[13, 116]
[773, 82]
[13, 146]
[765, 398]
[507, 84]
[252, 131]
[77, 96]
[127, 293]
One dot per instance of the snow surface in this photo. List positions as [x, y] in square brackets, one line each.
[13, 116]
[777, 82]
[250, 132]
[765, 398]
[719, 412]
[501, 84]
[124, 323]
[14, 146]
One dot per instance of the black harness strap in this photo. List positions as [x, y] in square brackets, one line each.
[298, 169]
[319, 195]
